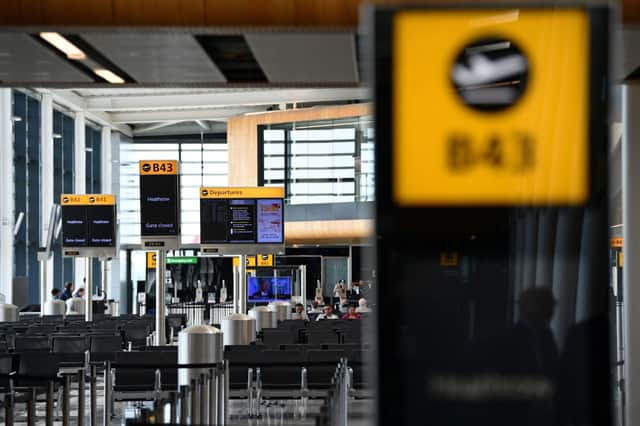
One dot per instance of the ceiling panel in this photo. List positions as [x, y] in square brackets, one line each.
[157, 58]
[306, 58]
[22, 59]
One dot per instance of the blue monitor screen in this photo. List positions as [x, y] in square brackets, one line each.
[267, 289]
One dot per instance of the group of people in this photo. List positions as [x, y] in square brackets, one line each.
[68, 295]
[327, 312]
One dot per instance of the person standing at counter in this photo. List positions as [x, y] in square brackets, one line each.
[67, 293]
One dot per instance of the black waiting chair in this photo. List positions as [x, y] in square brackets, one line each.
[282, 370]
[322, 337]
[274, 336]
[32, 343]
[142, 377]
[321, 366]
[70, 344]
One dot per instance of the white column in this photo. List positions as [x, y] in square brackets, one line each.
[46, 178]
[116, 289]
[7, 200]
[106, 173]
[107, 164]
[631, 270]
[79, 183]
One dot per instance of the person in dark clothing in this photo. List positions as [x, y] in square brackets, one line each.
[524, 356]
[67, 293]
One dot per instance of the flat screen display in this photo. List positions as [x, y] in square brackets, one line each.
[246, 220]
[74, 226]
[88, 226]
[159, 205]
[268, 289]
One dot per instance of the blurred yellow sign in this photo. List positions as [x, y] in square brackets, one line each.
[490, 107]
[251, 261]
[617, 242]
[449, 258]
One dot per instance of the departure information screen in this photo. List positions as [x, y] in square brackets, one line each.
[159, 198]
[241, 215]
[88, 220]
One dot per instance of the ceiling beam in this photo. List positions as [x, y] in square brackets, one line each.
[227, 98]
[211, 114]
[77, 103]
[203, 124]
[148, 128]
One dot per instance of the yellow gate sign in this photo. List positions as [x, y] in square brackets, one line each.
[490, 107]
[264, 260]
[151, 260]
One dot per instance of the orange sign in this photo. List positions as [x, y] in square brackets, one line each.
[243, 192]
[87, 199]
[154, 167]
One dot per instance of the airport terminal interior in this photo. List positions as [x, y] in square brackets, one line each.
[333, 213]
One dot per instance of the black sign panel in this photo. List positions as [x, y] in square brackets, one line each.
[251, 221]
[159, 205]
[88, 225]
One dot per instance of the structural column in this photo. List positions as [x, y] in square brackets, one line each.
[46, 179]
[7, 199]
[79, 185]
[105, 178]
[631, 231]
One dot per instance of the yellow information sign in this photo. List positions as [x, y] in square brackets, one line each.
[265, 260]
[151, 260]
[251, 261]
[490, 107]
[449, 258]
[154, 167]
[616, 242]
[242, 192]
[87, 199]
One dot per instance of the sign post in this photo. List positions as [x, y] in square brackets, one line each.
[89, 231]
[160, 224]
[487, 120]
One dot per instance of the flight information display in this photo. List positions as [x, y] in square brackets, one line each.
[88, 220]
[242, 215]
[159, 198]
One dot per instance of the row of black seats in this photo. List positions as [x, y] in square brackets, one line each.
[69, 344]
[321, 332]
[282, 369]
[57, 324]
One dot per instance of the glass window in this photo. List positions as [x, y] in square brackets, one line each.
[324, 161]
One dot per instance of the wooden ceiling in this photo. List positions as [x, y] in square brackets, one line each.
[266, 13]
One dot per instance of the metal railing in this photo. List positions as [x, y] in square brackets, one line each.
[199, 313]
[338, 408]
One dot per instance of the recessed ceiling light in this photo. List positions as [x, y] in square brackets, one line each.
[63, 45]
[109, 76]
[57, 136]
